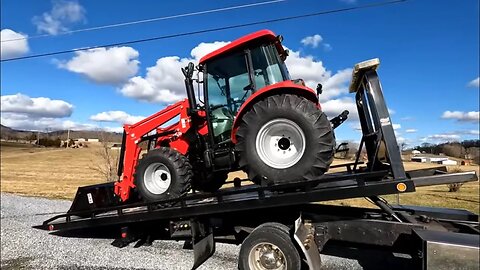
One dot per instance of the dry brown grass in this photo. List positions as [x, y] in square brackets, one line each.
[56, 173]
[46, 172]
[436, 196]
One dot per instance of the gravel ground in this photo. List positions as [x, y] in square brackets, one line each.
[23, 247]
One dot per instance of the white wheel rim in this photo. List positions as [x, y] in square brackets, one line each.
[266, 256]
[280, 143]
[157, 178]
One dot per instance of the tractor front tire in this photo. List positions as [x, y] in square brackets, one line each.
[285, 138]
[163, 174]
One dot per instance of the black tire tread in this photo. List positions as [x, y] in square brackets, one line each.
[180, 163]
[275, 233]
[324, 137]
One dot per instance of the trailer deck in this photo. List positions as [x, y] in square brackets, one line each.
[329, 187]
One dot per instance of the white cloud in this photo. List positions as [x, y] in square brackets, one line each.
[312, 41]
[357, 127]
[63, 13]
[163, 82]
[105, 65]
[442, 137]
[473, 116]
[18, 45]
[396, 126]
[474, 83]
[313, 72]
[35, 107]
[33, 123]
[401, 140]
[411, 130]
[116, 116]
[335, 107]
[469, 132]
[113, 129]
[27, 122]
[205, 48]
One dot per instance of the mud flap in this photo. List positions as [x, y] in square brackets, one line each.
[203, 242]
[305, 237]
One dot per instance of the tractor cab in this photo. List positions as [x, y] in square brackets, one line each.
[236, 71]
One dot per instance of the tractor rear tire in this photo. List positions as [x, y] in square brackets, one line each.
[285, 138]
[163, 174]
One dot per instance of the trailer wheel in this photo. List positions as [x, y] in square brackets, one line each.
[163, 173]
[285, 138]
[269, 246]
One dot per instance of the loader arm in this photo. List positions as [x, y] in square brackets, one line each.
[136, 133]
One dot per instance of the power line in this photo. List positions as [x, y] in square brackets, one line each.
[148, 20]
[208, 30]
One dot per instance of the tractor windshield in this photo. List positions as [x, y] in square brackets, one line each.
[232, 79]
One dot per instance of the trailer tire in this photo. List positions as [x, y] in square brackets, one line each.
[269, 246]
[163, 174]
[285, 138]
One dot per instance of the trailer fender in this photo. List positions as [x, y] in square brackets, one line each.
[304, 236]
[286, 87]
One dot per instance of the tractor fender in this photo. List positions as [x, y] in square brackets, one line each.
[285, 87]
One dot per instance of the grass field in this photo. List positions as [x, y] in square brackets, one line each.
[56, 173]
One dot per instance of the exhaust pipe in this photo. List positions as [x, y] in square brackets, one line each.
[188, 73]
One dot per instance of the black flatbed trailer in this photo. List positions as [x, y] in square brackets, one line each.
[285, 224]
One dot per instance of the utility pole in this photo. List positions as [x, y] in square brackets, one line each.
[68, 137]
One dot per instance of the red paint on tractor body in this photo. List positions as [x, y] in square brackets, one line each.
[174, 137]
[266, 35]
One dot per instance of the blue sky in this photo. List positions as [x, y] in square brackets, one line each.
[429, 52]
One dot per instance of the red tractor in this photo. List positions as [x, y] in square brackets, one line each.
[253, 117]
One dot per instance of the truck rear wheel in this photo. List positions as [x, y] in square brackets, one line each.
[285, 138]
[269, 246]
[162, 174]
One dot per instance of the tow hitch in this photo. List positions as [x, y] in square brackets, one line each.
[337, 121]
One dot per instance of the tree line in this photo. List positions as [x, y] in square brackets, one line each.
[468, 149]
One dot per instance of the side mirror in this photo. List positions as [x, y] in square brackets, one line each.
[188, 70]
[319, 89]
[191, 67]
[284, 55]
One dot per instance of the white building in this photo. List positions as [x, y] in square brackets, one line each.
[428, 158]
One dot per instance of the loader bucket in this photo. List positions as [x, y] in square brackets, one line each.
[91, 198]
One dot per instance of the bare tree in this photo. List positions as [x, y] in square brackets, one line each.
[454, 150]
[403, 146]
[108, 164]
